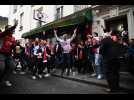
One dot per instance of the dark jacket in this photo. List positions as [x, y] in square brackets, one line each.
[60, 49]
[110, 50]
[88, 51]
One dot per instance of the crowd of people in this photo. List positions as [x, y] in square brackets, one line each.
[97, 55]
[42, 56]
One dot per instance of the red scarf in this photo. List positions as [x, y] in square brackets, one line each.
[45, 55]
[81, 54]
[27, 51]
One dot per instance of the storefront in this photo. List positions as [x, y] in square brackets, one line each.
[68, 23]
[114, 17]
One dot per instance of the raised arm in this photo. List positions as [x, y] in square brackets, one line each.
[74, 35]
[55, 33]
[10, 30]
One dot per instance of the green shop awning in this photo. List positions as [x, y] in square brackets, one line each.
[73, 19]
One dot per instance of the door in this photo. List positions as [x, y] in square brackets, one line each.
[117, 23]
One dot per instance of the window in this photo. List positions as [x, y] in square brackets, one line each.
[59, 12]
[32, 5]
[14, 8]
[21, 21]
[133, 13]
[21, 5]
[40, 9]
[80, 7]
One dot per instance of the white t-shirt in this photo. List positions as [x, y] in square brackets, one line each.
[66, 45]
[35, 50]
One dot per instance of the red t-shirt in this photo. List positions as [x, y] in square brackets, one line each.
[7, 43]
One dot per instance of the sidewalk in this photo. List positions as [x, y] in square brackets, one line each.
[126, 79]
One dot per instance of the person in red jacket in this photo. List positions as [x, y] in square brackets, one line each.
[7, 43]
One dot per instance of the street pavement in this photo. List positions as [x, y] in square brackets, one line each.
[55, 84]
[24, 84]
[126, 80]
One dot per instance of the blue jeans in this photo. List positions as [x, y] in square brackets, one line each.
[7, 65]
[98, 64]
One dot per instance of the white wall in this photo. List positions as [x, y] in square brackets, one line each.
[49, 11]
[96, 27]
[26, 25]
[67, 10]
[28, 22]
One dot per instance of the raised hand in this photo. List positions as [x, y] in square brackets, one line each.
[75, 30]
[55, 31]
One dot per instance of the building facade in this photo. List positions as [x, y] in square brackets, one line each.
[107, 16]
[28, 19]
[3, 23]
[24, 14]
[113, 17]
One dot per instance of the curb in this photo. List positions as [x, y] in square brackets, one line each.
[91, 82]
[82, 81]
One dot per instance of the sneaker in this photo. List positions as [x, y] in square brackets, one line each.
[74, 73]
[112, 91]
[70, 70]
[34, 77]
[40, 76]
[46, 75]
[93, 75]
[99, 77]
[22, 73]
[66, 70]
[19, 65]
[8, 83]
[14, 72]
[18, 69]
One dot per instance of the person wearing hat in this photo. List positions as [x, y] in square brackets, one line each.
[7, 43]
